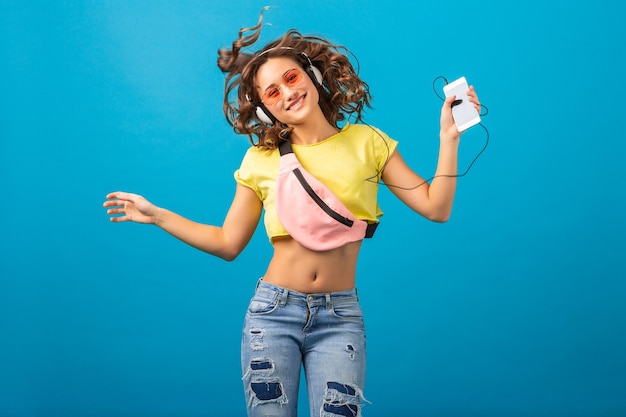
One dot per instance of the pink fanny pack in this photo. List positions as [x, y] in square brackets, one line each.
[310, 212]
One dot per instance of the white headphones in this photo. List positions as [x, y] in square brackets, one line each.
[262, 113]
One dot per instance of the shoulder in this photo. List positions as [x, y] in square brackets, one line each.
[364, 132]
[357, 130]
[256, 155]
[257, 164]
[370, 137]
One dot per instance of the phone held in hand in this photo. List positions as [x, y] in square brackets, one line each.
[464, 113]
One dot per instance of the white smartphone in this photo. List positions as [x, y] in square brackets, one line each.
[464, 113]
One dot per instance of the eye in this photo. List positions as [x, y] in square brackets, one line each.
[293, 77]
[271, 93]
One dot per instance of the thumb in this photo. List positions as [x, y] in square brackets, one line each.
[449, 101]
[120, 195]
[446, 109]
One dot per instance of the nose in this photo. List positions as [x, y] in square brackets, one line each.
[288, 93]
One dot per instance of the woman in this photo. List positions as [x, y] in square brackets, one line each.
[295, 92]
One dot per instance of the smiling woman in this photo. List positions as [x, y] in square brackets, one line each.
[515, 307]
[290, 98]
[292, 94]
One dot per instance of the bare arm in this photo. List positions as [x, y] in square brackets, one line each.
[434, 200]
[225, 242]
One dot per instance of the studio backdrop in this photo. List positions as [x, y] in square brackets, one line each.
[515, 307]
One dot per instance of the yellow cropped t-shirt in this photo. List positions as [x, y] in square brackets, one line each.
[349, 163]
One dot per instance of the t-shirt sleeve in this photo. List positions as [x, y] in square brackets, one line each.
[383, 148]
[245, 175]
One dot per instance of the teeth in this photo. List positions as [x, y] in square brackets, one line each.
[296, 104]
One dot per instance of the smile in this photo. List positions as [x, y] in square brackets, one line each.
[297, 103]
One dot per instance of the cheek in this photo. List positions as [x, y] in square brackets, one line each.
[314, 95]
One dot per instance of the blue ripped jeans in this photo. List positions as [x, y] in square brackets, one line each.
[285, 330]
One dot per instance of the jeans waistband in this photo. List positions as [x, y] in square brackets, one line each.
[328, 299]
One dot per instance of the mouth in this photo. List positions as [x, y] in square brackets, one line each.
[297, 103]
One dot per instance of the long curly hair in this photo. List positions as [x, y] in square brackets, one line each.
[343, 92]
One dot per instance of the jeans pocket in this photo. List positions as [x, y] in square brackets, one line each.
[348, 311]
[262, 305]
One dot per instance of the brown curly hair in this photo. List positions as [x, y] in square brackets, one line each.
[343, 92]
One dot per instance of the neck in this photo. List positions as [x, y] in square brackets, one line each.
[313, 131]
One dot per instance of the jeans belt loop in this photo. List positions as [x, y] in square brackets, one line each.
[282, 298]
[329, 303]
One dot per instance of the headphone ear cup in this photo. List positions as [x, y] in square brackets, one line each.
[317, 75]
[262, 116]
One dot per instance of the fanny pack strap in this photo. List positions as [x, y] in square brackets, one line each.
[370, 229]
[286, 148]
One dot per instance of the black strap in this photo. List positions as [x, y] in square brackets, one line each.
[371, 228]
[311, 192]
[285, 147]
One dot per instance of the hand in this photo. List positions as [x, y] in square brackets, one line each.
[132, 207]
[448, 128]
[473, 98]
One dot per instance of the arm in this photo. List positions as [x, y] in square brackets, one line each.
[434, 200]
[225, 242]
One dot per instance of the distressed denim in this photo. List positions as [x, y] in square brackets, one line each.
[285, 330]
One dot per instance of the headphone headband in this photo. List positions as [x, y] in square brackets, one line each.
[302, 54]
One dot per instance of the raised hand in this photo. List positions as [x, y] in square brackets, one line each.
[448, 128]
[123, 207]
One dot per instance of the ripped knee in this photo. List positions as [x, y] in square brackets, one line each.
[342, 400]
[263, 386]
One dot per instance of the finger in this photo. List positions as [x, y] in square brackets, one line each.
[447, 104]
[121, 195]
[118, 219]
[113, 203]
[474, 101]
[116, 203]
[118, 214]
[472, 95]
[116, 210]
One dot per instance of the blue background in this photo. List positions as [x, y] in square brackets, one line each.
[515, 307]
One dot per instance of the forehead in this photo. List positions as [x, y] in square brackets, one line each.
[272, 71]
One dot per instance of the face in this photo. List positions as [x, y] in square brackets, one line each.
[286, 90]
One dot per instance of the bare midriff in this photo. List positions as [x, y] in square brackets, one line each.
[300, 269]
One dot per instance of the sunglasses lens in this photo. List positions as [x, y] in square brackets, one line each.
[293, 77]
[273, 94]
